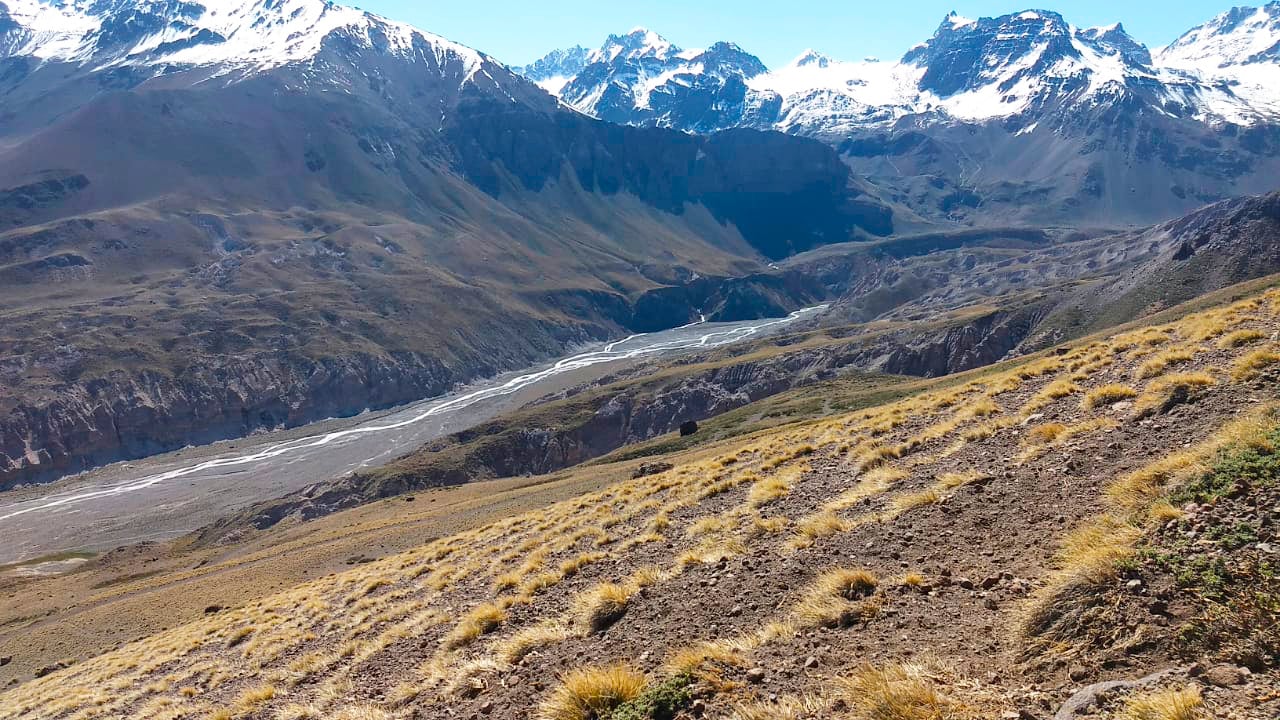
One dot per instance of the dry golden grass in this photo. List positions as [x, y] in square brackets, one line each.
[1240, 338]
[937, 493]
[897, 692]
[788, 707]
[1089, 555]
[1055, 390]
[1002, 385]
[237, 636]
[312, 642]
[359, 712]
[601, 606]
[711, 524]
[870, 484]
[1251, 365]
[1047, 433]
[930, 496]
[820, 525]
[837, 598]
[1185, 704]
[767, 490]
[588, 693]
[982, 407]
[1162, 361]
[1138, 489]
[479, 621]
[768, 525]
[513, 649]
[913, 580]
[1040, 367]
[694, 660]
[877, 456]
[1164, 390]
[1091, 552]
[1162, 511]
[1107, 395]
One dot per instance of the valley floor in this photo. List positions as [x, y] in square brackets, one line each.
[993, 547]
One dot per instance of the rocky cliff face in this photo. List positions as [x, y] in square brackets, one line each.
[128, 417]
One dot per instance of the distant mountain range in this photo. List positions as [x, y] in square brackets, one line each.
[1023, 116]
[969, 71]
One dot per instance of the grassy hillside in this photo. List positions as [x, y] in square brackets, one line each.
[986, 547]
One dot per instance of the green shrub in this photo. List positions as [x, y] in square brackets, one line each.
[658, 702]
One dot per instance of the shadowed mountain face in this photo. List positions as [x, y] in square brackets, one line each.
[196, 244]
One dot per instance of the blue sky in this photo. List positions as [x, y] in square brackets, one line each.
[518, 31]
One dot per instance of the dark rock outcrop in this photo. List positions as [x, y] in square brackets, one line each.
[119, 418]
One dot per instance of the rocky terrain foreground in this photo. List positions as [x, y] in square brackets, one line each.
[1088, 533]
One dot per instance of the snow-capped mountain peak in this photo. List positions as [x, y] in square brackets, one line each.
[811, 57]
[1240, 36]
[638, 43]
[244, 34]
[553, 70]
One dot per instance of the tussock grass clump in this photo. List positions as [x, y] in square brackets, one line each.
[1251, 365]
[479, 621]
[1090, 555]
[982, 407]
[1240, 338]
[239, 635]
[768, 525]
[603, 605]
[1040, 367]
[254, 697]
[1006, 384]
[1160, 362]
[1107, 395]
[711, 524]
[765, 491]
[359, 712]
[935, 494]
[848, 584]
[1055, 390]
[515, 648]
[1170, 390]
[591, 693]
[1185, 704]
[897, 692]
[692, 661]
[659, 701]
[871, 483]
[833, 599]
[574, 565]
[788, 707]
[1091, 552]
[877, 456]
[1047, 433]
[822, 524]
[506, 581]
[931, 496]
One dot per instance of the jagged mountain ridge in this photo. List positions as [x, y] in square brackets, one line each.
[970, 70]
[1018, 118]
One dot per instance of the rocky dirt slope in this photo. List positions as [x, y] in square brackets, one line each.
[1016, 546]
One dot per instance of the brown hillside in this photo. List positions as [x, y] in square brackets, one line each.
[988, 550]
